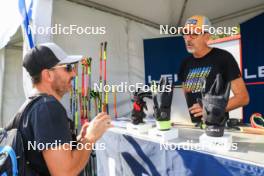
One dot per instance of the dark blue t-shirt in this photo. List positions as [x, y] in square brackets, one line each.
[44, 123]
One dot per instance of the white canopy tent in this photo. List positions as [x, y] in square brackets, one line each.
[175, 12]
[127, 24]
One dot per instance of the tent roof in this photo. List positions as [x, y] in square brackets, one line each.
[175, 12]
[171, 12]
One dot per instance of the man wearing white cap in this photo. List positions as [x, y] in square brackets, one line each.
[204, 64]
[45, 122]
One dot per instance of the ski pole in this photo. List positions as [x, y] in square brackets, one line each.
[101, 78]
[89, 72]
[115, 103]
[106, 93]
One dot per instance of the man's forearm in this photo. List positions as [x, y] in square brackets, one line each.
[240, 98]
[80, 157]
[66, 161]
[235, 102]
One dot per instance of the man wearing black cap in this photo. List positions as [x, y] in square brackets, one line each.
[204, 64]
[46, 122]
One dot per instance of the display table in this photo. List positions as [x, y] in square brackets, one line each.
[128, 154]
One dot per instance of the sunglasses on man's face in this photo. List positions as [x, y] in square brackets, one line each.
[68, 67]
[192, 36]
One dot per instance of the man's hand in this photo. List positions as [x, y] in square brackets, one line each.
[97, 127]
[196, 110]
[83, 131]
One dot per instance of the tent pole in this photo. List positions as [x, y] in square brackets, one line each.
[2, 77]
[238, 13]
[182, 12]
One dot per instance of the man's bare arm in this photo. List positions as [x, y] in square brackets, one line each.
[240, 98]
[64, 161]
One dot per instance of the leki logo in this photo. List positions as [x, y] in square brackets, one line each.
[171, 77]
[250, 74]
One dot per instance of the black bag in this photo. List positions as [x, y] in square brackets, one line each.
[12, 153]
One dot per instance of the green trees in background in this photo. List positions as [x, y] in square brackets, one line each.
[217, 36]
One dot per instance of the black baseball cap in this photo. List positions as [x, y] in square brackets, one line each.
[46, 56]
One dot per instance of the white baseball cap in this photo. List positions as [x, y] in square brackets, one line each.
[46, 56]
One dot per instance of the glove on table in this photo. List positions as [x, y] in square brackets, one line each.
[214, 103]
[139, 105]
[162, 104]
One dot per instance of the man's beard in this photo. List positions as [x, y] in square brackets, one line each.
[61, 86]
[190, 50]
